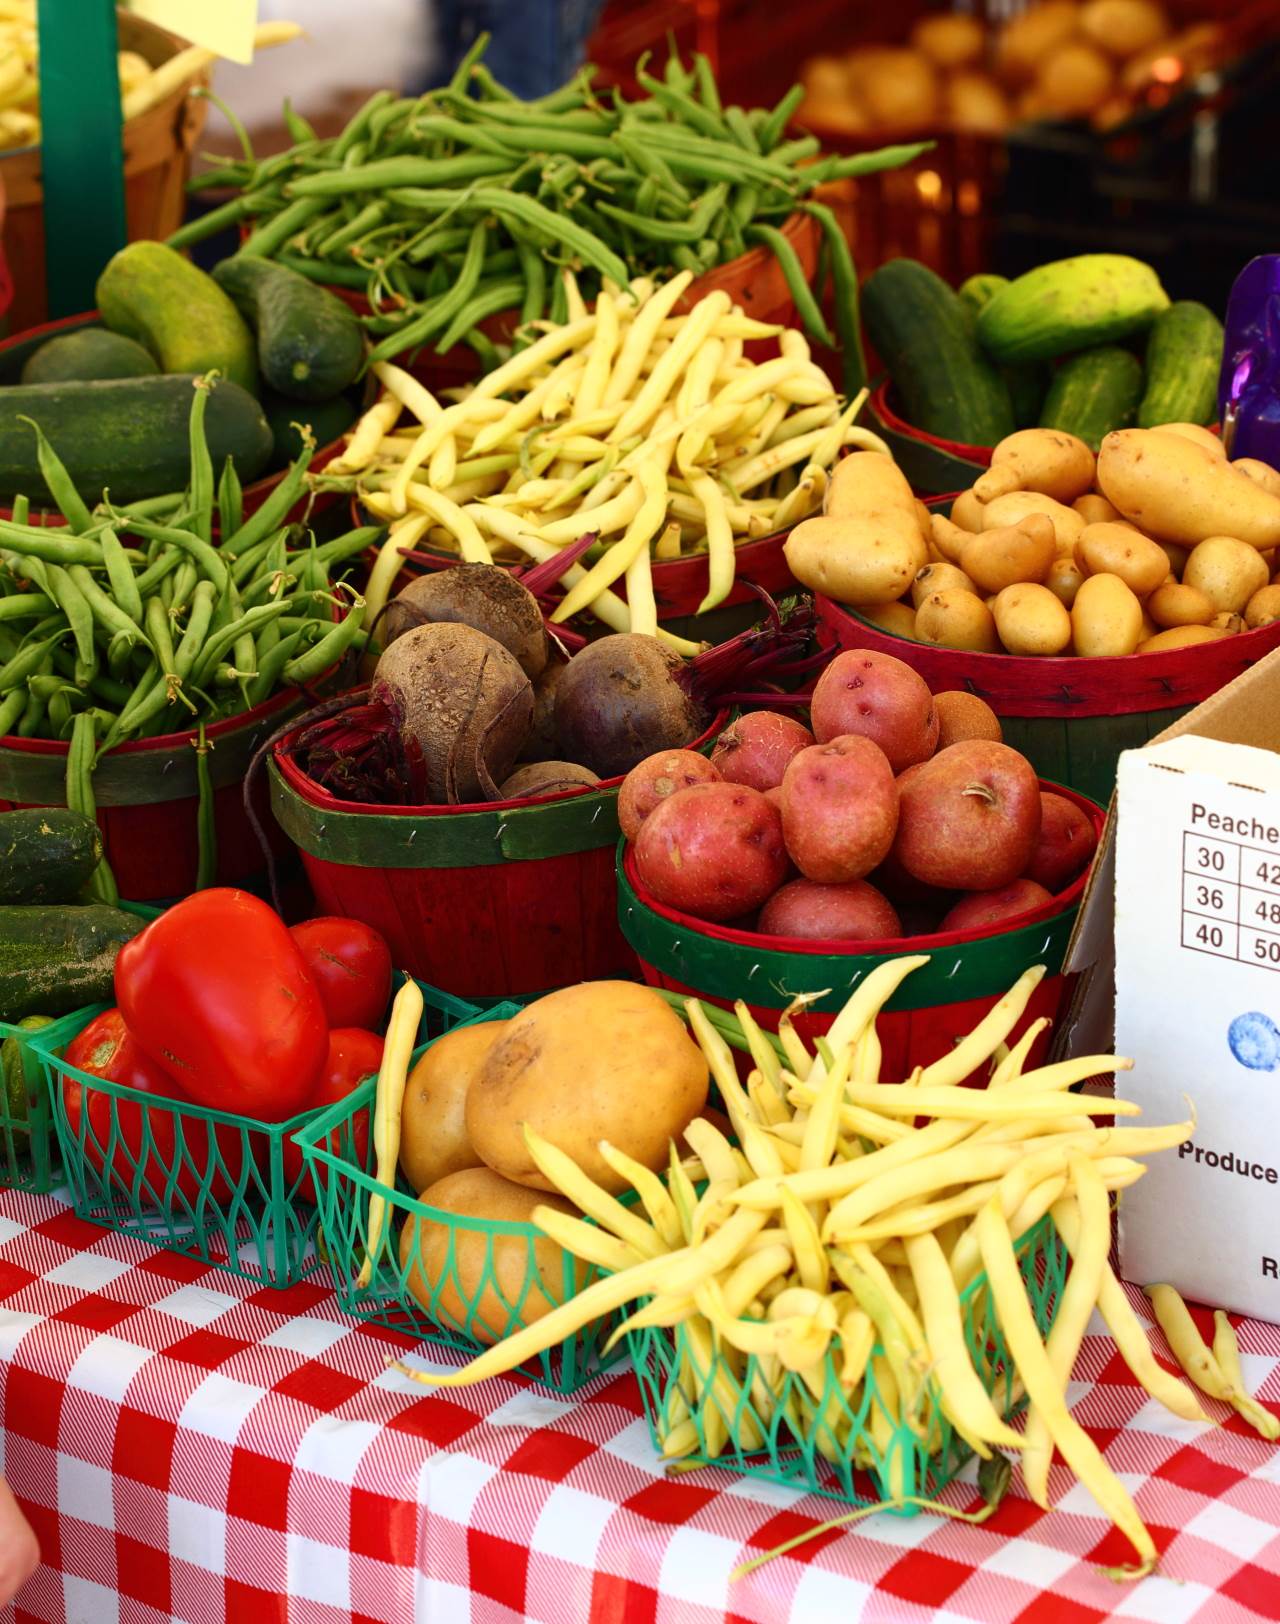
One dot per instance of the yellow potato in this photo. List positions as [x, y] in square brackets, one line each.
[904, 92]
[947, 539]
[949, 41]
[1123, 27]
[1094, 509]
[600, 1060]
[1206, 439]
[954, 619]
[1261, 473]
[1020, 552]
[1176, 604]
[868, 546]
[466, 1278]
[1149, 627]
[433, 1127]
[1050, 461]
[898, 618]
[1179, 637]
[1115, 549]
[1031, 620]
[1075, 79]
[1263, 607]
[938, 578]
[967, 511]
[1175, 490]
[1227, 571]
[922, 517]
[1231, 624]
[1067, 523]
[1064, 579]
[1106, 618]
[1023, 43]
[974, 101]
[825, 76]
[1176, 555]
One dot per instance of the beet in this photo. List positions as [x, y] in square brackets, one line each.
[546, 778]
[541, 742]
[482, 596]
[463, 705]
[620, 700]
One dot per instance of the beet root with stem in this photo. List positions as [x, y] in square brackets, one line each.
[482, 596]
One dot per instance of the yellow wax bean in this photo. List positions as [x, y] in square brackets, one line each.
[640, 337]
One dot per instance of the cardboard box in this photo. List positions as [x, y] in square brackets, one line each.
[1179, 934]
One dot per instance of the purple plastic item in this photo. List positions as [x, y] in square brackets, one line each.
[1249, 384]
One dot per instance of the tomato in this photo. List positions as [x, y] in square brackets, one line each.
[106, 1048]
[353, 1056]
[216, 992]
[351, 967]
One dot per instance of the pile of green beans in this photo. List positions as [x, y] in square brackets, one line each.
[129, 622]
[461, 204]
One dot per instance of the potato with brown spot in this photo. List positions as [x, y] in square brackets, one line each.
[957, 620]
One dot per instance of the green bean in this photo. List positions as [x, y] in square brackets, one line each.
[204, 557]
[230, 499]
[491, 300]
[354, 542]
[160, 633]
[110, 690]
[124, 587]
[21, 509]
[154, 574]
[564, 233]
[197, 630]
[747, 165]
[691, 230]
[61, 485]
[861, 163]
[298, 127]
[534, 271]
[437, 241]
[682, 107]
[772, 127]
[270, 513]
[360, 122]
[51, 546]
[201, 477]
[212, 221]
[25, 606]
[272, 662]
[264, 241]
[442, 311]
[222, 641]
[382, 120]
[106, 611]
[386, 174]
[366, 219]
[60, 710]
[305, 668]
[74, 605]
[248, 566]
[184, 582]
[705, 79]
[462, 73]
[206, 828]
[741, 128]
[844, 277]
[799, 289]
[33, 714]
[11, 708]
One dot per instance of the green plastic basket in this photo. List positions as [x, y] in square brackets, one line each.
[818, 1437]
[210, 1184]
[462, 1302]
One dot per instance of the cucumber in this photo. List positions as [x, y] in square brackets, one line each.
[327, 419]
[310, 345]
[92, 352]
[46, 854]
[923, 333]
[1026, 384]
[56, 959]
[148, 291]
[1184, 358]
[1069, 305]
[129, 434]
[977, 291]
[1093, 393]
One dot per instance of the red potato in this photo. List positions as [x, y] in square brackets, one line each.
[1065, 844]
[839, 809]
[713, 850]
[758, 748]
[654, 779]
[881, 699]
[773, 796]
[853, 912]
[982, 909]
[968, 821]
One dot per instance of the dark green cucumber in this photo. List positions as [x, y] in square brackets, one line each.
[46, 854]
[1184, 358]
[148, 291]
[310, 345]
[56, 959]
[326, 419]
[1026, 384]
[129, 435]
[92, 352]
[1093, 393]
[922, 332]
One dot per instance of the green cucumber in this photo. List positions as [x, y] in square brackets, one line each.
[1069, 305]
[92, 352]
[327, 419]
[129, 435]
[148, 291]
[977, 291]
[21, 1075]
[46, 854]
[310, 345]
[1026, 384]
[1184, 358]
[923, 333]
[56, 959]
[1093, 393]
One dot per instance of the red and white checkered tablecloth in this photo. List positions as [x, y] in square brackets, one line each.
[191, 1448]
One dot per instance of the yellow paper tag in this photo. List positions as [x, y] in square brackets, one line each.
[225, 27]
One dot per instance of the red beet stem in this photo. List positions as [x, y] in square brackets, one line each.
[540, 578]
[780, 647]
[360, 755]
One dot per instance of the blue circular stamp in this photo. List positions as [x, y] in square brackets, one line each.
[1254, 1040]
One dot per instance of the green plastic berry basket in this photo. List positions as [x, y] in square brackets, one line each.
[476, 1280]
[707, 1405]
[223, 1188]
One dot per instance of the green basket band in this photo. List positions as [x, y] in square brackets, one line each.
[452, 840]
[140, 777]
[770, 979]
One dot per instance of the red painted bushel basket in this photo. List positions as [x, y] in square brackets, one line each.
[148, 800]
[930, 464]
[13, 354]
[754, 280]
[488, 901]
[968, 971]
[1071, 717]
